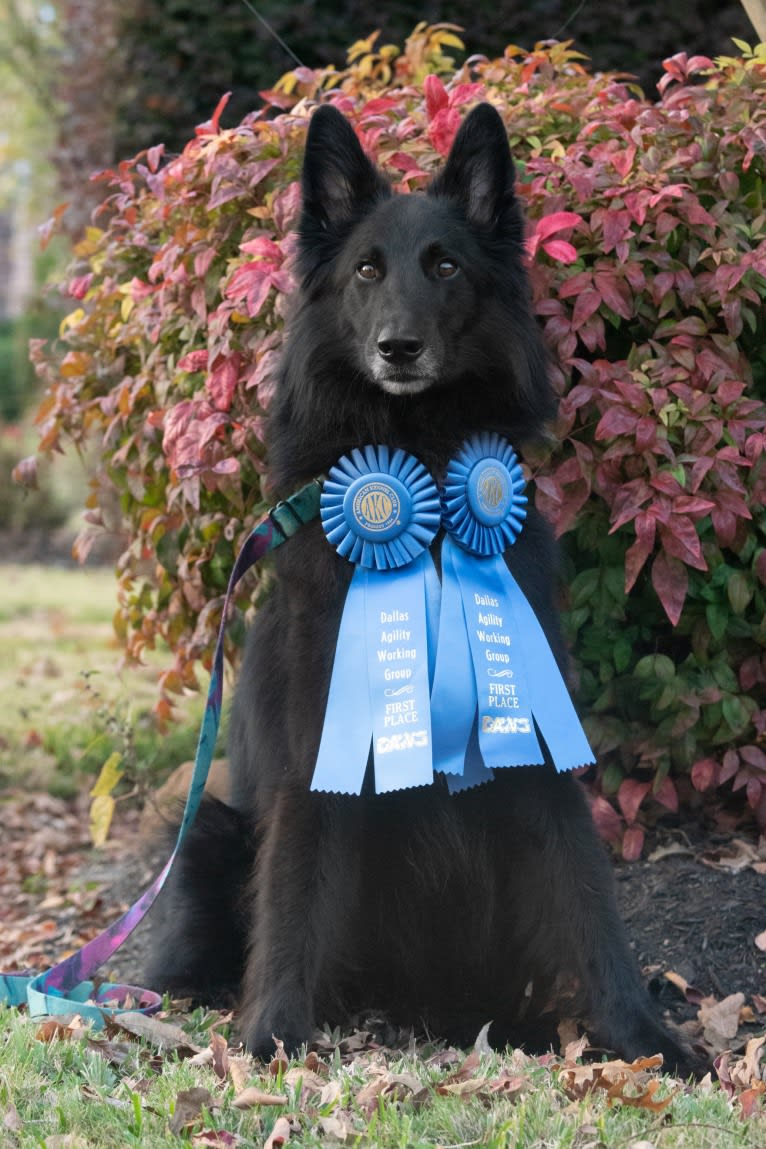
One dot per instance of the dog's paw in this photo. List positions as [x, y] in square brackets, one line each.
[261, 1029]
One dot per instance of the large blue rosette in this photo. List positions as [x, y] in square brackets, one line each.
[496, 682]
[380, 509]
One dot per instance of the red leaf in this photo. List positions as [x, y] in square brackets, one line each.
[705, 773]
[194, 361]
[585, 305]
[436, 96]
[615, 293]
[670, 580]
[223, 380]
[556, 221]
[616, 421]
[730, 765]
[210, 127]
[443, 129]
[753, 791]
[754, 757]
[623, 160]
[680, 539]
[630, 796]
[560, 250]
[632, 843]
[607, 821]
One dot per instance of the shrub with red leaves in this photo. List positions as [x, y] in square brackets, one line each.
[647, 251]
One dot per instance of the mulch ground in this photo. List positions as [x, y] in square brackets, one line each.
[693, 910]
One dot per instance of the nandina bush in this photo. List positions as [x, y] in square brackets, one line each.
[647, 252]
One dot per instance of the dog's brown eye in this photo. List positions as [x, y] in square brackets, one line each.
[446, 268]
[367, 270]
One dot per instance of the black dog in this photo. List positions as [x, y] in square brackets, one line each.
[413, 329]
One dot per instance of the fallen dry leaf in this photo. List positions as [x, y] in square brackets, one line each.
[737, 856]
[332, 1092]
[11, 1120]
[337, 1127]
[750, 1098]
[160, 1034]
[252, 1096]
[309, 1081]
[240, 1070]
[220, 1049]
[316, 1065]
[189, 1105]
[574, 1050]
[393, 1086]
[280, 1061]
[667, 851]
[743, 1072]
[65, 1028]
[509, 1085]
[279, 1134]
[626, 1082]
[693, 995]
[216, 1137]
[720, 1020]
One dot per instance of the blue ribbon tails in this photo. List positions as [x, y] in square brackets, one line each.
[381, 511]
[496, 681]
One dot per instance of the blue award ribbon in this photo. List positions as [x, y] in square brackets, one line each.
[496, 680]
[380, 509]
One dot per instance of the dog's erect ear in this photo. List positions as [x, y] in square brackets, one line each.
[479, 171]
[338, 181]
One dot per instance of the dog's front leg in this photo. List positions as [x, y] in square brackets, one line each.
[304, 891]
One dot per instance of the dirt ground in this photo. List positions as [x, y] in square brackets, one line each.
[694, 910]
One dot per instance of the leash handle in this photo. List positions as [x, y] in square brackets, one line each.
[67, 987]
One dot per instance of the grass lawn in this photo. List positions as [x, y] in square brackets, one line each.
[80, 1093]
[66, 702]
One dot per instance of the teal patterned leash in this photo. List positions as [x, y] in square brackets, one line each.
[68, 987]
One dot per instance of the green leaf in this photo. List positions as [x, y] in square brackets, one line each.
[739, 592]
[612, 778]
[717, 618]
[623, 652]
[735, 714]
[655, 666]
[584, 587]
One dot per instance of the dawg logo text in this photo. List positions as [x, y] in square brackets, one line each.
[417, 739]
[490, 725]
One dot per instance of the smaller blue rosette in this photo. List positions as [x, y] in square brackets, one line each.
[496, 681]
[381, 510]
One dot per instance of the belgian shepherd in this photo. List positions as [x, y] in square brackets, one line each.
[413, 329]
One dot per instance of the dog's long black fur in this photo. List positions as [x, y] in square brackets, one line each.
[413, 328]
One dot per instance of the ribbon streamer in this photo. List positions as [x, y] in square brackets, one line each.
[381, 511]
[495, 678]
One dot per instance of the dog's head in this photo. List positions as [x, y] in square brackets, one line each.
[429, 290]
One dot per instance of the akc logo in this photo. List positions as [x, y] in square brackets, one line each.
[376, 506]
[491, 489]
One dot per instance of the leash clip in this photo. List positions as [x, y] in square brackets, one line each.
[291, 513]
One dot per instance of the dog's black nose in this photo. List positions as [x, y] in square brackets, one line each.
[399, 348]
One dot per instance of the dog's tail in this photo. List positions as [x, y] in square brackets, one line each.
[199, 934]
